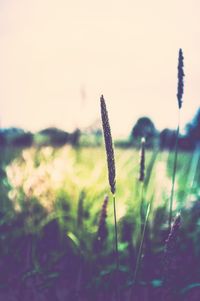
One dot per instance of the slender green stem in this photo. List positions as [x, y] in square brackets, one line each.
[116, 249]
[137, 266]
[116, 234]
[141, 245]
[141, 226]
[174, 172]
[142, 204]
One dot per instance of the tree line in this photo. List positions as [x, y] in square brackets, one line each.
[50, 136]
[166, 139]
[144, 127]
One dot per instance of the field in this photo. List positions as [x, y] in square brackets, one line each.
[57, 242]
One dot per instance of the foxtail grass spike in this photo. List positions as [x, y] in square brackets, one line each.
[142, 161]
[108, 145]
[179, 97]
[111, 178]
[102, 229]
[173, 232]
[171, 260]
[181, 74]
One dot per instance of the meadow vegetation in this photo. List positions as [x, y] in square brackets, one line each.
[51, 206]
[101, 223]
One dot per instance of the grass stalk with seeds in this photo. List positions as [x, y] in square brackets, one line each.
[111, 173]
[180, 90]
[141, 180]
[143, 216]
[171, 260]
[102, 231]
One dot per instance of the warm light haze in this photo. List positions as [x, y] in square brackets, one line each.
[58, 57]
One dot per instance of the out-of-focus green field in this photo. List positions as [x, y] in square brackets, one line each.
[58, 178]
[51, 201]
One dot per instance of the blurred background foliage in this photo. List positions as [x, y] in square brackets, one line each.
[52, 189]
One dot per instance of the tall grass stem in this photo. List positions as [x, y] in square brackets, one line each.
[138, 261]
[116, 248]
[141, 244]
[116, 233]
[111, 178]
[174, 171]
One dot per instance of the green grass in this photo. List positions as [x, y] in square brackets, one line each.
[42, 185]
[55, 176]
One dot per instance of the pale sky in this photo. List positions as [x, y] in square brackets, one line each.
[58, 56]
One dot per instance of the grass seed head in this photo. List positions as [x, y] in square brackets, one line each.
[108, 145]
[102, 232]
[174, 231]
[102, 229]
[171, 256]
[180, 78]
[142, 161]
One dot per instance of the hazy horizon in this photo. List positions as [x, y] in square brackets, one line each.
[58, 57]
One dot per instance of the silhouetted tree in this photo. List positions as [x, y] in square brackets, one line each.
[167, 139]
[74, 137]
[184, 143]
[55, 136]
[144, 127]
[193, 129]
[23, 140]
[10, 134]
[2, 139]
